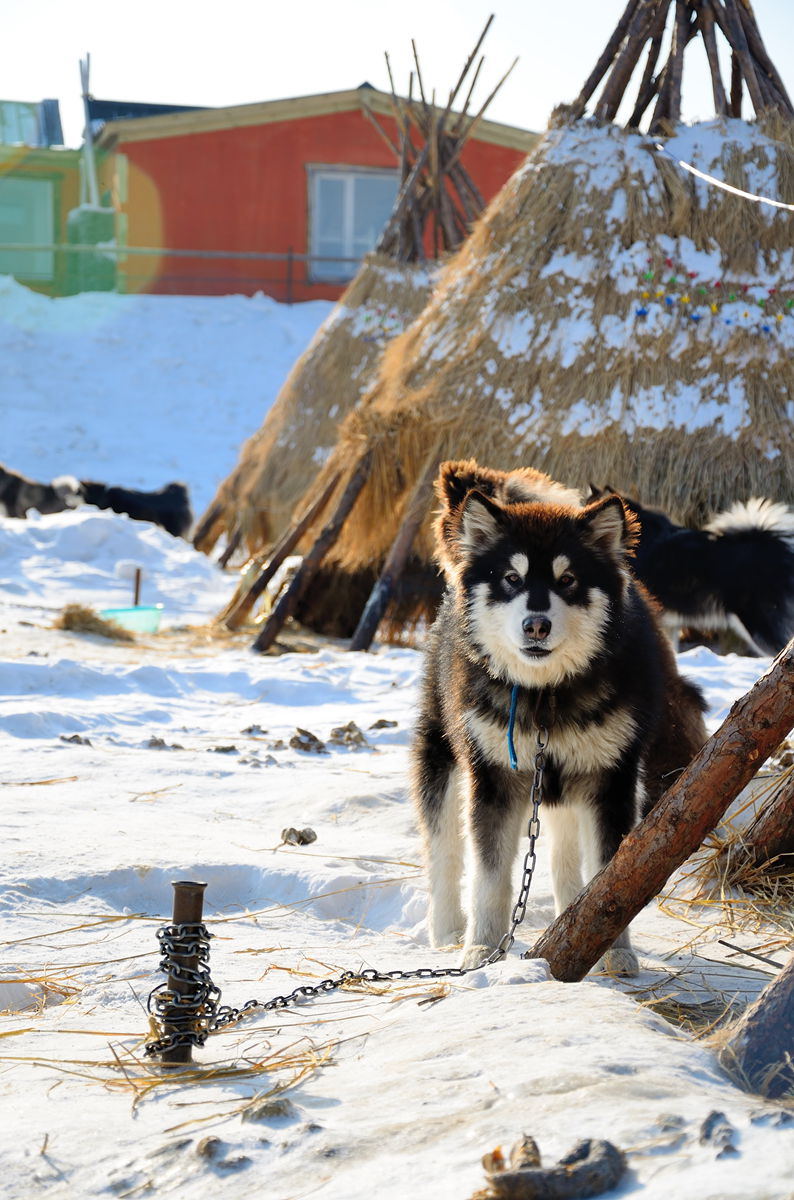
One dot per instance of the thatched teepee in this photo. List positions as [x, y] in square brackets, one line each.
[435, 208]
[612, 318]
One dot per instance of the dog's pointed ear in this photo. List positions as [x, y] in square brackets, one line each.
[480, 523]
[609, 526]
[456, 478]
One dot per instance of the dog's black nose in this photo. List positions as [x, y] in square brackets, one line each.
[536, 626]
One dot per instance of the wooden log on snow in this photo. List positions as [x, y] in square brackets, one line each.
[313, 560]
[247, 596]
[675, 827]
[395, 559]
[760, 1049]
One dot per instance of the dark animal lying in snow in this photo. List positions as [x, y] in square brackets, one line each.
[168, 507]
[18, 494]
[736, 573]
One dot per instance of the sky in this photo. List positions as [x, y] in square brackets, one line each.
[245, 51]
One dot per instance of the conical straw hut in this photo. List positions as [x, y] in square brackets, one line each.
[622, 314]
[277, 463]
[436, 206]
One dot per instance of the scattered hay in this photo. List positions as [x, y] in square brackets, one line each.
[727, 873]
[78, 618]
[700, 1018]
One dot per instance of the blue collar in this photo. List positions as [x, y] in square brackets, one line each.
[511, 749]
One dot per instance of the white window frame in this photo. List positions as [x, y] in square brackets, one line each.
[35, 266]
[348, 174]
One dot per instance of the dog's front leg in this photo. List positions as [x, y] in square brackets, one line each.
[604, 827]
[494, 823]
[445, 866]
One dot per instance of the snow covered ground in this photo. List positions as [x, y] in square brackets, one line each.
[140, 390]
[129, 765]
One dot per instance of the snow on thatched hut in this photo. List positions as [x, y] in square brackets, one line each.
[623, 312]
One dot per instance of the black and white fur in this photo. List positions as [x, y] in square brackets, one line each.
[538, 594]
[736, 573]
[18, 494]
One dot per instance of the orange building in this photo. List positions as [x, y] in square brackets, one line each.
[282, 197]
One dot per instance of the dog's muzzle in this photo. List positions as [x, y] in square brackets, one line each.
[536, 627]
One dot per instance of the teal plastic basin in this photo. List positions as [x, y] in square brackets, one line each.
[144, 618]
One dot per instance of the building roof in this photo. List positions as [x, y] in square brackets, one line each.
[205, 120]
[101, 112]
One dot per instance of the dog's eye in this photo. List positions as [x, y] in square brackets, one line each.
[512, 579]
[566, 581]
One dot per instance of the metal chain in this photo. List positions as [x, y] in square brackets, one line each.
[204, 1015]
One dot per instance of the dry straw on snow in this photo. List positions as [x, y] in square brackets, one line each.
[611, 319]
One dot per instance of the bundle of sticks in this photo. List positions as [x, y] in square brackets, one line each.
[436, 191]
[644, 22]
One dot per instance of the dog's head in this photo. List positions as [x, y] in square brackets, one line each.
[456, 479]
[68, 490]
[538, 585]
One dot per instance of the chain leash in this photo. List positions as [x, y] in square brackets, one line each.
[200, 997]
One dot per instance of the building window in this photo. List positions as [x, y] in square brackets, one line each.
[347, 211]
[27, 218]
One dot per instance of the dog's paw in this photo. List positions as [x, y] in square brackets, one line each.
[475, 956]
[447, 929]
[450, 940]
[618, 960]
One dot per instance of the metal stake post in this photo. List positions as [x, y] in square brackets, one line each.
[188, 910]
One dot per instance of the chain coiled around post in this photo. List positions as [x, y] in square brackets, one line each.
[201, 1013]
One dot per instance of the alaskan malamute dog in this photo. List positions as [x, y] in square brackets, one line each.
[539, 595]
[736, 573]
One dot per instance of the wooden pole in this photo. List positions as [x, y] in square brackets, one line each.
[467, 66]
[243, 603]
[402, 201]
[675, 827]
[396, 558]
[313, 560]
[736, 86]
[605, 60]
[758, 49]
[209, 529]
[178, 1017]
[710, 42]
[464, 112]
[232, 546]
[770, 834]
[742, 52]
[760, 1048]
[474, 122]
[664, 108]
[680, 40]
[626, 61]
[649, 84]
[88, 135]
